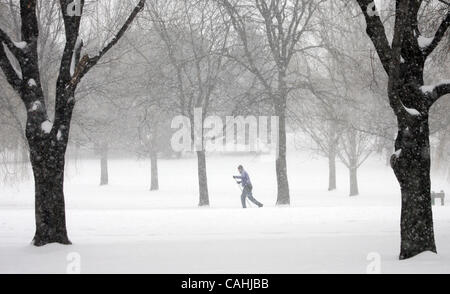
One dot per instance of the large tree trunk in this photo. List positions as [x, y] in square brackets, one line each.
[202, 179]
[353, 172]
[48, 170]
[411, 165]
[104, 164]
[47, 145]
[332, 169]
[154, 186]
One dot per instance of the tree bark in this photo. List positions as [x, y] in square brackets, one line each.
[412, 169]
[154, 185]
[353, 172]
[48, 170]
[104, 164]
[332, 170]
[202, 179]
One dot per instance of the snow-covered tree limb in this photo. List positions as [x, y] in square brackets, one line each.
[10, 73]
[14, 47]
[434, 92]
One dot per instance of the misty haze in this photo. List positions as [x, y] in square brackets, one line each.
[224, 136]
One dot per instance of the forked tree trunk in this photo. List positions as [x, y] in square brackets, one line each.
[154, 185]
[353, 173]
[202, 179]
[411, 165]
[332, 170]
[281, 165]
[48, 170]
[104, 179]
[404, 61]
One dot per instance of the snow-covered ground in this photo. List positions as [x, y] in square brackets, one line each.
[125, 228]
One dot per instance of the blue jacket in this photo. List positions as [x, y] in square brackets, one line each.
[245, 179]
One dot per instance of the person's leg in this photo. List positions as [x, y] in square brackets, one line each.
[252, 199]
[243, 196]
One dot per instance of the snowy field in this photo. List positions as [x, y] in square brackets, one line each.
[125, 228]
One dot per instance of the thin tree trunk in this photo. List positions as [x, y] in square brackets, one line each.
[104, 164]
[353, 172]
[202, 179]
[412, 169]
[154, 186]
[24, 153]
[281, 165]
[332, 170]
[448, 173]
[441, 150]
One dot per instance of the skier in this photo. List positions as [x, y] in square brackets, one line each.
[247, 187]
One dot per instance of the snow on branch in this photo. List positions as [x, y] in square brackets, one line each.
[47, 126]
[436, 91]
[397, 153]
[13, 75]
[15, 47]
[411, 111]
[424, 42]
[20, 45]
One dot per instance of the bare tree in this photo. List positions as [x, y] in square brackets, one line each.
[356, 146]
[403, 60]
[48, 140]
[321, 119]
[195, 38]
[286, 24]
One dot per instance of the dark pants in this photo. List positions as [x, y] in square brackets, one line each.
[247, 193]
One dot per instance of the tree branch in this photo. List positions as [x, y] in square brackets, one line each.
[92, 61]
[30, 27]
[437, 91]
[438, 36]
[442, 89]
[71, 27]
[375, 30]
[17, 52]
[11, 76]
